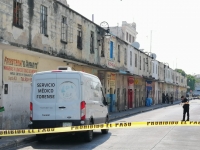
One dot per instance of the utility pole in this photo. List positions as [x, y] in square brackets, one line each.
[150, 40]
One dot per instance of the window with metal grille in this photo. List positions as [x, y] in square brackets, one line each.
[17, 13]
[92, 42]
[102, 48]
[153, 66]
[144, 64]
[118, 53]
[125, 56]
[79, 37]
[64, 29]
[147, 64]
[140, 63]
[130, 58]
[43, 20]
[156, 69]
[135, 60]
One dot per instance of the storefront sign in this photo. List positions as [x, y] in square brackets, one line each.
[112, 76]
[110, 64]
[130, 81]
[137, 82]
[149, 85]
[112, 83]
[19, 69]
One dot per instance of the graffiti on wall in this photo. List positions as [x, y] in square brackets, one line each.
[19, 70]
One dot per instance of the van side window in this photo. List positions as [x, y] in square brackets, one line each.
[93, 89]
[96, 85]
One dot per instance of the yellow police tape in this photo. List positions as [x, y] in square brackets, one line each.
[98, 126]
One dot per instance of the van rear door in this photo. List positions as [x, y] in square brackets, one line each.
[68, 97]
[44, 96]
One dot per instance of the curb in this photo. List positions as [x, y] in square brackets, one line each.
[133, 113]
[16, 143]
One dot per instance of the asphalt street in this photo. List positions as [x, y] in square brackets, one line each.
[152, 138]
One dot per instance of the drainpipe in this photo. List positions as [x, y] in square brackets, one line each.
[31, 14]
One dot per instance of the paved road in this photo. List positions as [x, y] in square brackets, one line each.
[153, 138]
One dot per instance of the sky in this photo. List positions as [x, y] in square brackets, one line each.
[171, 27]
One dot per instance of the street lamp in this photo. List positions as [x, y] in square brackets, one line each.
[105, 25]
[106, 34]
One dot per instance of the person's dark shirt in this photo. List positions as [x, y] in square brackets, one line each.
[184, 101]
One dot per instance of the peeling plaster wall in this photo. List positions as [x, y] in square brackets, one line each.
[120, 65]
[17, 100]
[30, 34]
[16, 105]
[8, 32]
[53, 41]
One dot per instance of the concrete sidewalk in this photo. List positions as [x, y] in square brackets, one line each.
[15, 141]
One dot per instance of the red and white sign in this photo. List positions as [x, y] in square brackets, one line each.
[110, 64]
[130, 81]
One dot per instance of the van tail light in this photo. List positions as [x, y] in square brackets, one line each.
[31, 111]
[83, 110]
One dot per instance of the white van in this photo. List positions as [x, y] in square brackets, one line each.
[63, 98]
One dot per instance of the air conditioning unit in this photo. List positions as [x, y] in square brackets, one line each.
[64, 68]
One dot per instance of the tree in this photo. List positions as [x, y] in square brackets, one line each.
[181, 71]
[197, 80]
[191, 82]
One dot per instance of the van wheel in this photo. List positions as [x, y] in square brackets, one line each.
[105, 131]
[88, 135]
[41, 137]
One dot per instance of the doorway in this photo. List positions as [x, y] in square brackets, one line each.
[130, 98]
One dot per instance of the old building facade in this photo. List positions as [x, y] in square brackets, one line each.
[40, 35]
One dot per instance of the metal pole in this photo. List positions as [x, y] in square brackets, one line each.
[150, 41]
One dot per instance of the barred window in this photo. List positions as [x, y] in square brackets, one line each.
[92, 42]
[125, 56]
[153, 66]
[17, 13]
[156, 69]
[118, 53]
[135, 60]
[102, 48]
[144, 64]
[130, 58]
[43, 20]
[79, 37]
[64, 29]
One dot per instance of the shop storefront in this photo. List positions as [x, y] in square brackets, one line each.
[111, 90]
[130, 92]
[139, 91]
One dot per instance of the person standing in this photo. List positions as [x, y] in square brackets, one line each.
[185, 103]
[167, 98]
[171, 99]
[163, 98]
